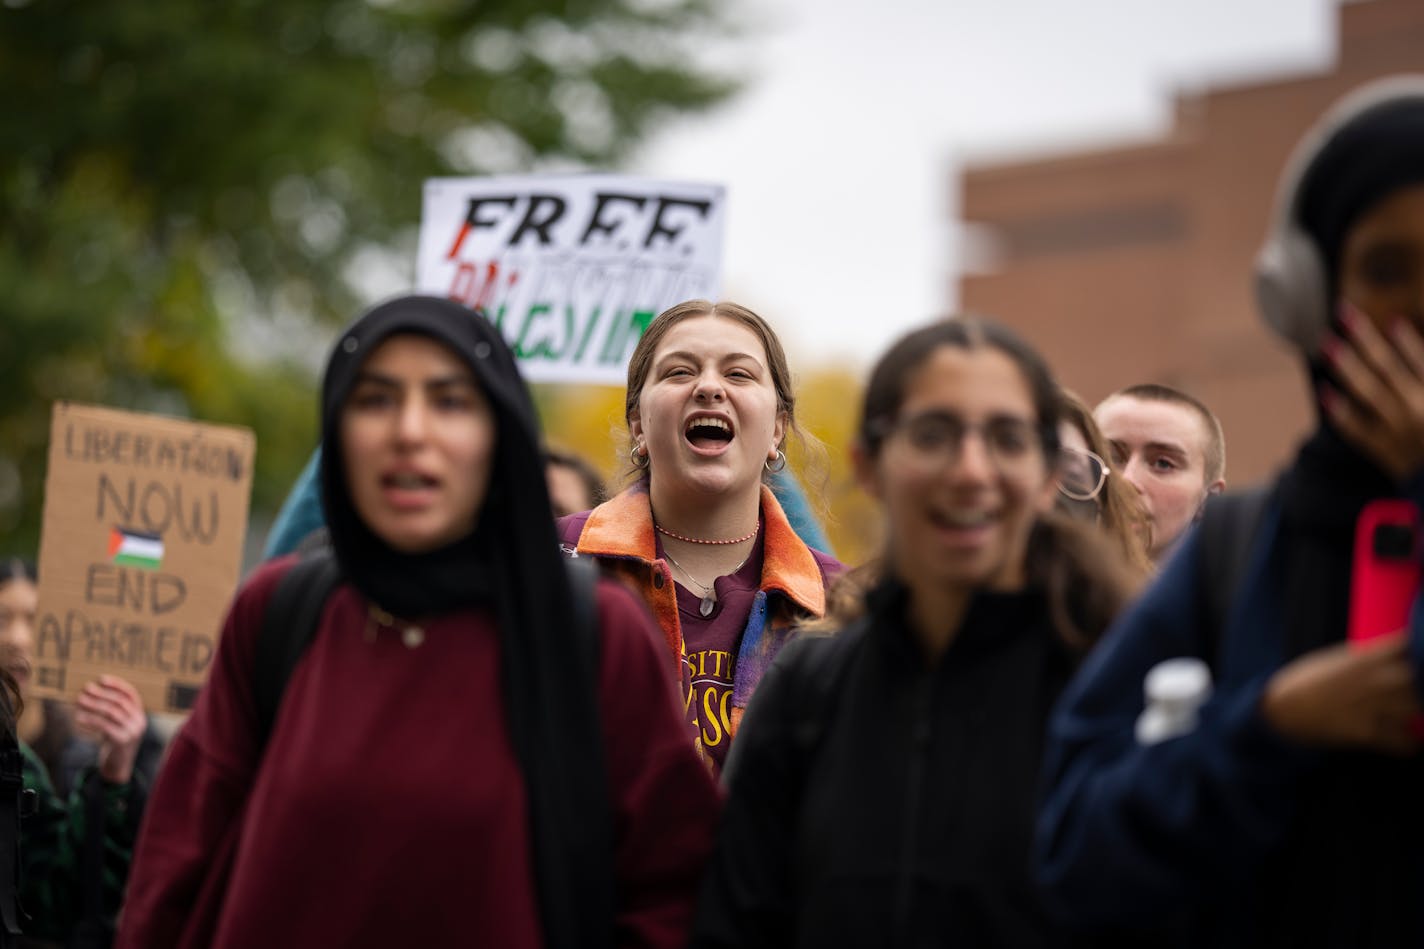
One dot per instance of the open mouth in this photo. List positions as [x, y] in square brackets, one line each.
[707, 432]
[960, 520]
[408, 481]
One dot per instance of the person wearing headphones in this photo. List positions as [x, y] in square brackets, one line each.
[1284, 805]
[1169, 446]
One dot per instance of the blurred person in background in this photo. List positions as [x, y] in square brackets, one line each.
[76, 848]
[882, 789]
[574, 484]
[13, 803]
[1169, 446]
[699, 534]
[1087, 488]
[1284, 810]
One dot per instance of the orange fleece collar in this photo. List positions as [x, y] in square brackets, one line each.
[623, 527]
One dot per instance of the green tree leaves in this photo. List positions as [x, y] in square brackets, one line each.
[187, 189]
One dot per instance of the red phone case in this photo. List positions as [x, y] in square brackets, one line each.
[1386, 574]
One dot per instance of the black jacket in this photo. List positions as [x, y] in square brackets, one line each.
[876, 800]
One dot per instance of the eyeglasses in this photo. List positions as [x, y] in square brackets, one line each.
[1081, 474]
[937, 438]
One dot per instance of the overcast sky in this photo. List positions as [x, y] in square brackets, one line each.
[841, 156]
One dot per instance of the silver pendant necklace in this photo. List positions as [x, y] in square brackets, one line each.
[708, 600]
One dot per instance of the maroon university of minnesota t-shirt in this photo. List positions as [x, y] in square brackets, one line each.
[710, 645]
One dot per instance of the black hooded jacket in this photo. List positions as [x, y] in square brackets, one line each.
[875, 800]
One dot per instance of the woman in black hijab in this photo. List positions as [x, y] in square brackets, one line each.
[445, 766]
[1288, 810]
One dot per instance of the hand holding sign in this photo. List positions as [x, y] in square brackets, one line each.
[111, 710]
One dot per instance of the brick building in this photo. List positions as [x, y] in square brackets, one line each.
[1133, 264]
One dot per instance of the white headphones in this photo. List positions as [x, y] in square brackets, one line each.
[1290, 276]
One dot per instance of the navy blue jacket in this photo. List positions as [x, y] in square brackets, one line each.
[1197, 834]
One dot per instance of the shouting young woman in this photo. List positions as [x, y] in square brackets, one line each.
[709, 408]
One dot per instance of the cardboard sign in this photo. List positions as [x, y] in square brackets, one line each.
[141, 544]
[571, 268]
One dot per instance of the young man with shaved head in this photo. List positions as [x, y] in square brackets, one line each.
[1169, 446]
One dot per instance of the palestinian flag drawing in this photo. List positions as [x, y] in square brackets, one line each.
[134, 549]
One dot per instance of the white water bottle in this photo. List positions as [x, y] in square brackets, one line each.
[1175, 689]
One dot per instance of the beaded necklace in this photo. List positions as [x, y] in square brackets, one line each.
[697, 540]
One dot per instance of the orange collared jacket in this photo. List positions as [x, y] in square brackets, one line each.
[620, 534]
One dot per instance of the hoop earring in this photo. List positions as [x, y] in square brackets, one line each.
[634, 455]
[780, 463]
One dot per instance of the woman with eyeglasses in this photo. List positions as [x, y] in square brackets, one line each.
[1087, 490]
[881, 791]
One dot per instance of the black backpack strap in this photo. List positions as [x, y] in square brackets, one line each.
[583, 578]
[1227, 530]
[288, 626]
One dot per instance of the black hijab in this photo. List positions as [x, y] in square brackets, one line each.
[511, 562]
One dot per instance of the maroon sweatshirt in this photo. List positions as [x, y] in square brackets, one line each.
[389, 808]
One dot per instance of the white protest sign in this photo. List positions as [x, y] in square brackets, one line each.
[571, 268]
